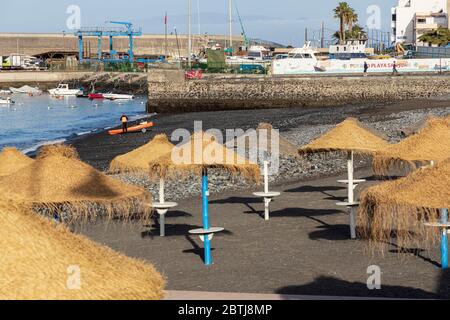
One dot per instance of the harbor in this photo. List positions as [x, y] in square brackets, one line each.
[226, 152]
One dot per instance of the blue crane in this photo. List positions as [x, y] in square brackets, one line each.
[129, 32]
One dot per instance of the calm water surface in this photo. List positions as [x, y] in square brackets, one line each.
[34, 121]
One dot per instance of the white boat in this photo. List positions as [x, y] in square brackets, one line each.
[5, 92]
[26, 90]
[63, 90]
[6, 101]
[299, 60]
[256, 55]
[118, 96]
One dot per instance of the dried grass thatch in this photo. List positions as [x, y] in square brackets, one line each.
[58, 149]
[38, 258]
[432, 143]
[12, 160]
[137, 161]
[67, 185]
[284, 146]
[202, 152]
[350, 135]
[404, 205]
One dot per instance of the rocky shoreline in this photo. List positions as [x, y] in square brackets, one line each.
[100, 149]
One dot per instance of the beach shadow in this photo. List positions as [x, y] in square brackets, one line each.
[297, 212]
[172, 230]
[196, 249]
[333, 287]
[416, 252]
[246, 201]
[338, 232]
[335, 198]
[177, 214]
[322, 189]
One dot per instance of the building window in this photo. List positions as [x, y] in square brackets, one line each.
[421, 20]
[394, 17]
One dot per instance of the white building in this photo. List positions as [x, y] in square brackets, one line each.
[410, 18]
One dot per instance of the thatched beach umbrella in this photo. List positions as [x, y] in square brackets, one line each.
[430, 145]
[201, 153]
[12, 160]
[59, 182]
[137, 162]
[44, 261]
[270, 139]
[351, 137]
[406, 205]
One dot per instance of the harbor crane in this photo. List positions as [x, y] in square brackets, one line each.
[100, 32]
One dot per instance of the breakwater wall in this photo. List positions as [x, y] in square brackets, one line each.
[169, 92]
[105, 81]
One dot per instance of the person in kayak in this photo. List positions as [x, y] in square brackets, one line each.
[124, 120]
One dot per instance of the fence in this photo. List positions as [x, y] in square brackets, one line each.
[432, 52]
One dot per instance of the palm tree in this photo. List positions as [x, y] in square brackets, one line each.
[341, 12]
[351, 18]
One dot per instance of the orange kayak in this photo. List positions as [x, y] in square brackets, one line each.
[143, 127]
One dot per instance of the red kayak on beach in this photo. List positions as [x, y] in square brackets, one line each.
[94, 96]
[143, 127]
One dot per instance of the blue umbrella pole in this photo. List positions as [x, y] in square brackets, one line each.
[205, 196]
[444, 240]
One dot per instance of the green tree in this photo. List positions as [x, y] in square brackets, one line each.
[357, 33]
[439, 37]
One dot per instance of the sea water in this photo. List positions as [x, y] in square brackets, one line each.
[35, 121]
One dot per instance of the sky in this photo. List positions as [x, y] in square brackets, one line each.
[282, 21]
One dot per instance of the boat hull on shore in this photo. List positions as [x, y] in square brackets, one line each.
[143, 127]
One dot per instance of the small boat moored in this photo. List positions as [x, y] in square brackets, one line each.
[26, 90]
[118, 96]
[5, 92]
[6, 101]
[63, 90]
[96, 96]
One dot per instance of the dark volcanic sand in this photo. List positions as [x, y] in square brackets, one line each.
[99, 149]
[304, 249]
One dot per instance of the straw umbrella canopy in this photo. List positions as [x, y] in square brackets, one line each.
[44, 261]
[273, 138]
[404, 205]
[137, 161]
[60, 183]
[431, 144]
[12, 160]
[351, 137]
[201, 153]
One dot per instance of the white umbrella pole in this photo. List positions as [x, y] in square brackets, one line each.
[351, 187]
[161, 190]
[162, 217]
[266, 177]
